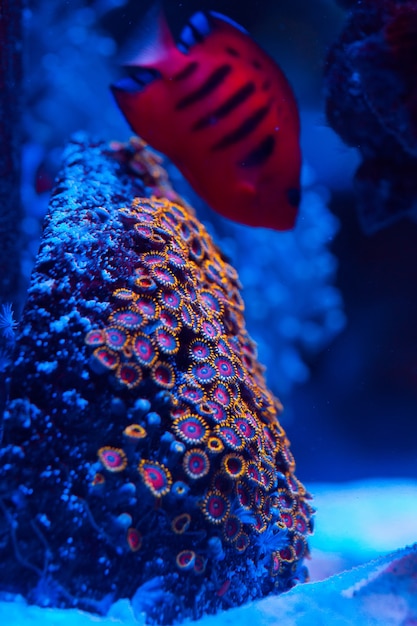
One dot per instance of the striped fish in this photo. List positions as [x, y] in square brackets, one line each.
[222, 110]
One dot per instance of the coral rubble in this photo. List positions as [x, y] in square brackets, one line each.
[142, 453]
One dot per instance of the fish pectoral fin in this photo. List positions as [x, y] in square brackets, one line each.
[143, 76]
[138, 80]
[125, 85]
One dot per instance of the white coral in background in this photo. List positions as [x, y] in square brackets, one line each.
[292, 307]
[7, 321]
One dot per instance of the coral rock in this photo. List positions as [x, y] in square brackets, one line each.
[372, 104]
[142, 453]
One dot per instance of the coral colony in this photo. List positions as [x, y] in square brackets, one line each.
[142, 456]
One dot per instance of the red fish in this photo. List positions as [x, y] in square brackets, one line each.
[222, 110]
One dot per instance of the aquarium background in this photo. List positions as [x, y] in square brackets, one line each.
[332, 309]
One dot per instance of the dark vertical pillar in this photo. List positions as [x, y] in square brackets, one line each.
[10, 110]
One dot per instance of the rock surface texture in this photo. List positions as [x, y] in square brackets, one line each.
[142, 455]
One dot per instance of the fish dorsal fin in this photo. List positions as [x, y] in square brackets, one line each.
[200, 25]
[152, 44]
[223, 18]
[195, 31]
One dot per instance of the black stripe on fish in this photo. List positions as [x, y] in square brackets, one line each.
[246, 128]
[232, 51]
[213, 81]
[294, 196]
[260, 154]
[240, 96]
[187, 71]
[256, 64]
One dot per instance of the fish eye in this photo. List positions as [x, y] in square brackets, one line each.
[294, 196]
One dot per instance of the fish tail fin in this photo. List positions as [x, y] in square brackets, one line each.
[152, 43]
